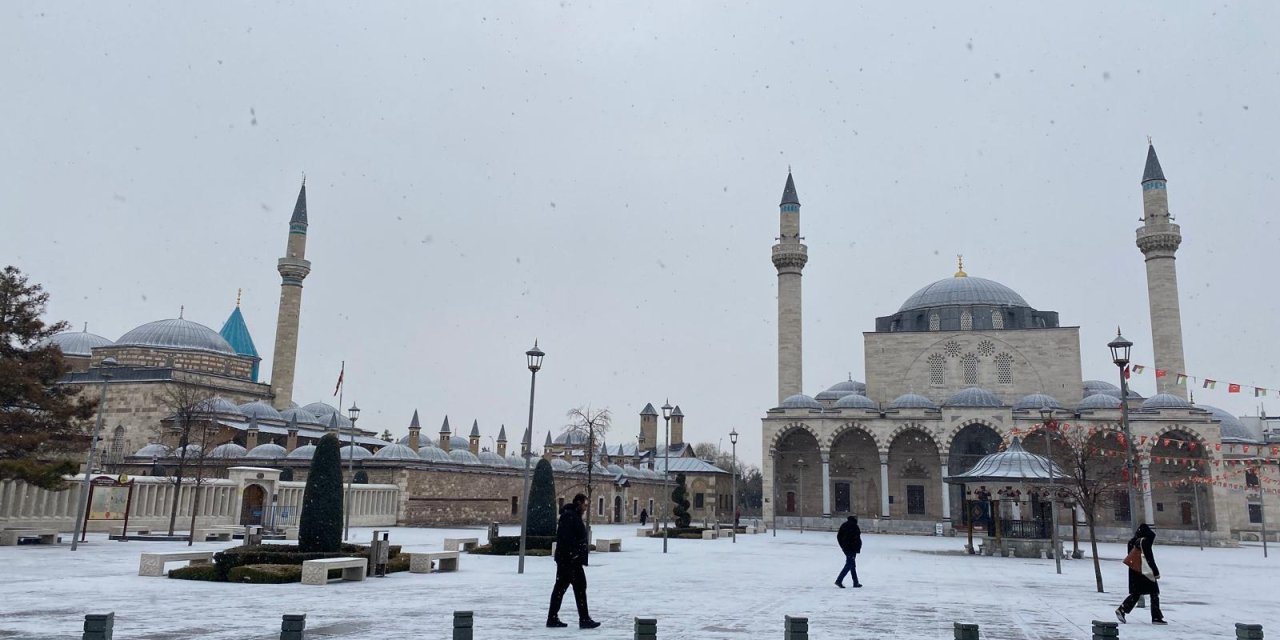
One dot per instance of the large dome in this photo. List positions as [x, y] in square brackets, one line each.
[963, 290]
[176, 333]
[77, 343]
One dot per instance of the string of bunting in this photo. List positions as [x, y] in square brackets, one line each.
[1260, 451]
[1183, 379]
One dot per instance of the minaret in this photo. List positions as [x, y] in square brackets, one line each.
[1158, 239]
[293, 268]
[789, 256]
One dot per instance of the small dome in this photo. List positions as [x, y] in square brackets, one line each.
[268, 450]
[571, 438]
[912, 401]
[260, 410]
[615, 470]
[1165, 401]
[842, 389]
[1100, 401]
[516, 462]
[560, 464]
[193, 451]
[1093, 387]
[355, 452]
[973, 397]
[459, 443]
[799, 401]
[76, 343]
[396, 452]
[322, 412]
[176, 333]
[1037, 401]
[433, 454]
[462, 456]
[220, 405]
[855, 401]
[965, 290]
[492, 459]
[305, 452]
[154, 450]
[228, 450]
[303, 416]
[630, 471]
[1233, 430]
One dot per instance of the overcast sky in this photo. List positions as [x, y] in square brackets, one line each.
[605, 178]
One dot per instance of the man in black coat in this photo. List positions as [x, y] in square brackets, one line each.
[571, 556]
[850, 539]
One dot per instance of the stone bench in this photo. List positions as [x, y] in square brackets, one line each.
[10, 537]
[317, 571]
[446, 561]
[461, 544]
[710, 534]
[643, 532]
[749, 530]
[609, 544]
[203, 535]
[152, 564]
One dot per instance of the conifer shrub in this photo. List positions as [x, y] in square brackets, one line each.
[542, 502]
[680, 496]
[320, 528]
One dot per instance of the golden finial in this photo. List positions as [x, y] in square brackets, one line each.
[238, 292]
[960, 266]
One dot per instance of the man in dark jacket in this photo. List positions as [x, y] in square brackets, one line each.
[571, 556]
[850, 539]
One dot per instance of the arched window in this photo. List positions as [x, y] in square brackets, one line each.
[117, 445]
[997, 320]
[934, 322]
[969, 364]
[1004, 368]
[966, 321]
[937, 368]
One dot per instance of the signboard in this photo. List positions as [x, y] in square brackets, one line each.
[109, 498]
[938, 529]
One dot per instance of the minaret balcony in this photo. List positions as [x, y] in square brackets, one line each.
[790, 255]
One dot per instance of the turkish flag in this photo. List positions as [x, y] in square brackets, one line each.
[1160, 373]
[1233, 388]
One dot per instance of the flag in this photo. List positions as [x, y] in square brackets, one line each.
[1233, 388]
[341, 373]
[1210, 384]
[1259, 392]
[1126, 373]
[1138, 369]
[1181, 379]
[1160, 373]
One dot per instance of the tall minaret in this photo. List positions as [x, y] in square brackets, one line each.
[1158, 239]
[293, 267]
[789, 256]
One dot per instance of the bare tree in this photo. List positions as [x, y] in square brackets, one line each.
[190, 423]
[592, 424]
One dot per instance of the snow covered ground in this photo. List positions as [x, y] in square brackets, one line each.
[915, 588]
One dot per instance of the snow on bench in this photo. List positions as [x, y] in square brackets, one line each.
[317, 571]
[609, 544]
[421, 562]
[152, 564]
[461, 544]
[10, 537]
[710, 534]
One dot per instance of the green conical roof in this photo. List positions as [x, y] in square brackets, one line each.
[236, 333]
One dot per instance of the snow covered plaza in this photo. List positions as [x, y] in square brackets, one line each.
[915, 587]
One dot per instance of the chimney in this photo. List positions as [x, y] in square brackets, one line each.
[445, 435]
[677, 426]
[502, 441]
[415, 432]
[251, 438]
[648, 426]
[291, 442]
[473, 440]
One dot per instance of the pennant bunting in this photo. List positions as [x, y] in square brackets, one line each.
[1160, 373]
[1258, 392]
[1181, 380]
[1138, 369]
[1233, 388]
[1210, 384]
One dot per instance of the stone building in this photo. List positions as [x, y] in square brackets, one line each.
[964, 365]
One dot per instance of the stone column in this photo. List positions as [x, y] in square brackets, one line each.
[826, 483]
[1148, 509]
[946, 495]
[884, 486]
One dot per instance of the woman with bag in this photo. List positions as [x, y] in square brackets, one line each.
[1143, 575]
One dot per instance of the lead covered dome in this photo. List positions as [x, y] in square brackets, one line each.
[176, 333]
[965, 303]
[963, 290]
[77, 343]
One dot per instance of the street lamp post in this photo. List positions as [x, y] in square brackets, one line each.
[733, 506]
[773, 457]
[1195, 493]
[534, 357]
[666, 470]
[1048, 425]
[82, 510]
[1120, 355]
[353, 414]
[800, 492]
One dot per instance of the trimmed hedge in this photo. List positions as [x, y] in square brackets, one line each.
[282, 554]
[204, 572]
[398, 564]
[679, 532]
[266, 573]
[510, 545]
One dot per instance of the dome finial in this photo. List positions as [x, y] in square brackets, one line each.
[238, 292]
[960, 266]
[182, 308]
[86, 327]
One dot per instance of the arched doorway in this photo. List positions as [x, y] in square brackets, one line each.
[617, 509]
[798, 475]
[915, 491]
[855, 475]
[1178, 466]
[968, 447]
[251, 504]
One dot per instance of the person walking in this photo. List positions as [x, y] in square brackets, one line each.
[644, 517]
[571, 557]
[1142, 580]
[850, 539]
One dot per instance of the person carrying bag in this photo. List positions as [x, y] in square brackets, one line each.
[1143, 574]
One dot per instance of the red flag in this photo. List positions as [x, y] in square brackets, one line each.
[341, 373]
[1160, 373]
[1126, 373]
[1233, 388]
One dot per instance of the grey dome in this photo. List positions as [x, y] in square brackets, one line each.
[855, 401]
[615, 470]
[176, 333]
[260, 410]
[842, 389]
[560, 464]
[218, 404]
[515, 461]
[268, 450]
[154, 450]
[228, 450]
[965, 290]
[631, 471]
[912, 401]
[1037, 401]
[462, 456]
[193, 451]
[396, 452]
[322, 412]
[1011, 465]
[1232, 429]
[1092, 387]
[800, 401]
[304, 452]
[571, 438]
[433, 454]
[303, 416]
[1165, 401]
[355, 452]
[77, 343]
[973, 397]
[1099, 401]
[492, 459]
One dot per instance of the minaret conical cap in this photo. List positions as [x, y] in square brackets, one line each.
[1153, 170]
[502, 433]
[300, 209]
[789, 192]
[414, 424]
[475, 428]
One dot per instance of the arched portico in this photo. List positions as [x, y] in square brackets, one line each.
[855, 474]
[797, 469]
[914, 482]
[968, 446]
[1174, 468]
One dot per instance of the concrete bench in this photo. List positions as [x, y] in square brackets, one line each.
[446, 561]
[749, 530]
[710, 534]
[609, 544]
[203, 535]
[461, 544]
[10, 537]
[643, 532]
[152, 564]
[317, 571]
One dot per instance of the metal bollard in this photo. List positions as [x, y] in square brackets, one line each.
[646, 629]
[100, 626]
[293, 626]
[1105, 630]
[796, 629]
[965, 631]
[462, 625]
[1248, 631]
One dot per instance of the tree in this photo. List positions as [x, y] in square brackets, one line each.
[591, 424]
[42, 423]
[542, 501]
[191, 424]
[320, 528]
[681, 499]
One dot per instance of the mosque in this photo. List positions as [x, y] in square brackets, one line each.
[964, 366]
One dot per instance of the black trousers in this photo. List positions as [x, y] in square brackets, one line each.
[569, 574]
[1132, 600]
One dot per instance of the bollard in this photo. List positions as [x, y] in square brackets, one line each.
[100, 626]
[1105, 630]
[462, 624]
[965, 631]
[1248, 631]
[646, 629]
[293, 626]
[796, 629]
